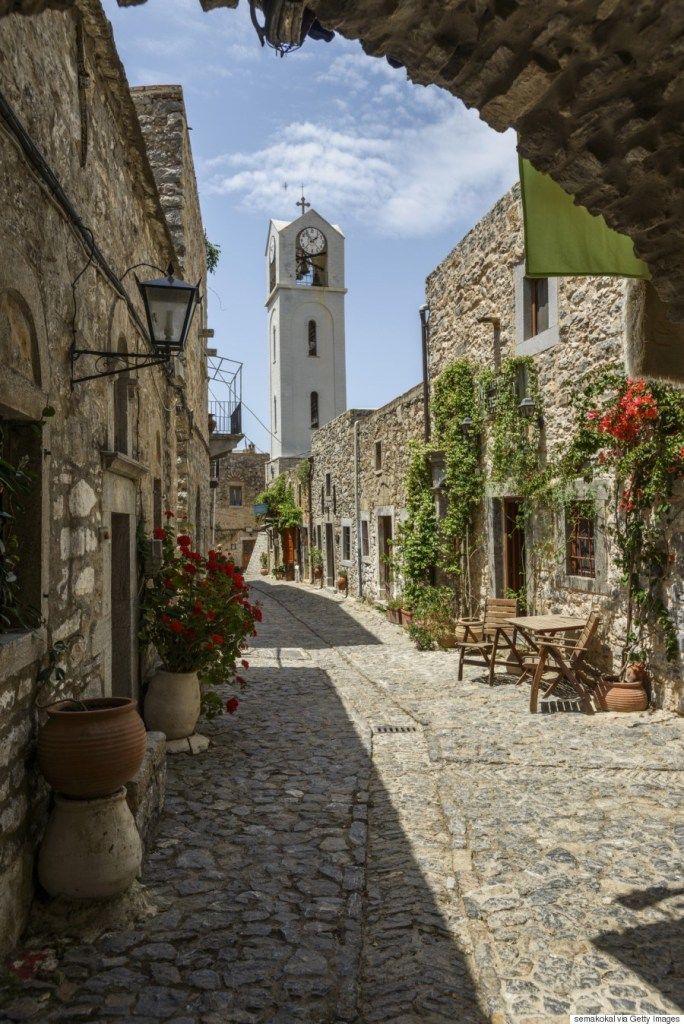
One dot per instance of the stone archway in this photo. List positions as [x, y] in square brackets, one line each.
[590, 86]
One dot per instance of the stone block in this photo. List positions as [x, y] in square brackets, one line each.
[146, 790]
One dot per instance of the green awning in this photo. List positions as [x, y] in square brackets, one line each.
[564, 240]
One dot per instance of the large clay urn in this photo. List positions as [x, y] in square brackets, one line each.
[172, 704]
[619, 695]
[91, 849]
[90, 748]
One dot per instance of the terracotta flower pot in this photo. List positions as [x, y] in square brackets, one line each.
[342, 583]
[406, 617]
[91, 849]
[92, 752]
[172, 704]
[615, 694]
[393, 615]
[264, 572]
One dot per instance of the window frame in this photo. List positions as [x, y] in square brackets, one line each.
[545, 339]
[378, 456]
[314, 410]
[241, 489]
[346, 526]
[312, 338]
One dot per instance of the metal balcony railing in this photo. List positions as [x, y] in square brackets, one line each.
[225, 413]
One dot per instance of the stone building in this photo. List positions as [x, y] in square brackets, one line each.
[482, 308]
[357, 492]
[94, 180]
[239, 477]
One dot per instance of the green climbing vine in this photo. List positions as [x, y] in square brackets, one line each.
[282, 509]
[516, 439]
[418, 534]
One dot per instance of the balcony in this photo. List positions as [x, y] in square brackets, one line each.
[225, 405]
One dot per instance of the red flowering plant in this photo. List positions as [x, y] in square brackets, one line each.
[197, 614]
[634, 429]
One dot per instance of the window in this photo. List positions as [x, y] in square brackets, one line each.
[334, 499]
[313, 340]
[322, 500]
[536, 313]
[328, 483]
[274, 344]
[536, 298]
[580, 541]
[346, 543]
[272, 270]
[378, 454]
[121, 414]
[275, 415]
[235, 495]
[157, 502]
[365, 545]
[314, 409]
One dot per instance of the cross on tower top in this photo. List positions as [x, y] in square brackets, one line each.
[303, 203]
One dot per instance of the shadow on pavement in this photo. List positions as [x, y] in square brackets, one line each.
[654, 951]
[307, 612]
[271, 906]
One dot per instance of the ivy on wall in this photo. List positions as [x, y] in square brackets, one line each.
[283, 511]
[633, 429]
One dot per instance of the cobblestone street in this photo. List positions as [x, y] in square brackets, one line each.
[478, 864]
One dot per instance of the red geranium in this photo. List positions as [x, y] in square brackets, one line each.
[183, 541]
[232, 704]
[169, 514]
[159, 533]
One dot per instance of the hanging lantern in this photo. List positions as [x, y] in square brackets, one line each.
[169, 306]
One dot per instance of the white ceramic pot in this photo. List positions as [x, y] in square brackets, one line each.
[172, 704]
[91, 849]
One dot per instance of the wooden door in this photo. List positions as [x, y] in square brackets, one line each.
[247, 549]
[514, 546]
[384, 553]
[329, 555]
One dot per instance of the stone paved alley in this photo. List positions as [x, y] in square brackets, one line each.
[482, 865]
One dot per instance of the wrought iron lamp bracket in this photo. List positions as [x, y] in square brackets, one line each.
[130, 360]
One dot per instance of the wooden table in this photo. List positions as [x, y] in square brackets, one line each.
[528, 626]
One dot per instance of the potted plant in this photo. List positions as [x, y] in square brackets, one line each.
[393, 611]
[88, 747]
[342, 579]
[406, 613]
[263, 561]
[627, 691]
[317, 563]
[279, 572]
[197, 615]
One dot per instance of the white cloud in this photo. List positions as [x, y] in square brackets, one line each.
[400, 171]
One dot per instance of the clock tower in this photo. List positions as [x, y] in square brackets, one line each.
[305, 315]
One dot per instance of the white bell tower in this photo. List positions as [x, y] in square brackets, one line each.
[305, 311]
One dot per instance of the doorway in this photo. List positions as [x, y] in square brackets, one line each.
[122, 607]
[247, 549]
[384, 555]
[514, 546]
[329, 555]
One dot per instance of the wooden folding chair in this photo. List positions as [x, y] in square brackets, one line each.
[561, 659]
[476, 646]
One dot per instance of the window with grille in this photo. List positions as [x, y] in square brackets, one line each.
[346, 543]
[313, 339]
[365, 544]
[235, 495]
[580, 538]
[314, 409]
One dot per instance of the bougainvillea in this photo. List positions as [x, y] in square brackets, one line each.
[198, 615]
[635, 429]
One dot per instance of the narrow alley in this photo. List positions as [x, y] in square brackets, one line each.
[369, 840]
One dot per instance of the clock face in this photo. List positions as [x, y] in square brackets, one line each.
[311, 241]
[271, 249]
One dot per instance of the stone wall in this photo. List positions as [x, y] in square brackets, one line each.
[235, 524]
[346, 450]
[106, 462]
[478, 280]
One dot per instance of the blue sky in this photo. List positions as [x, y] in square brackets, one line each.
[404, 170]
